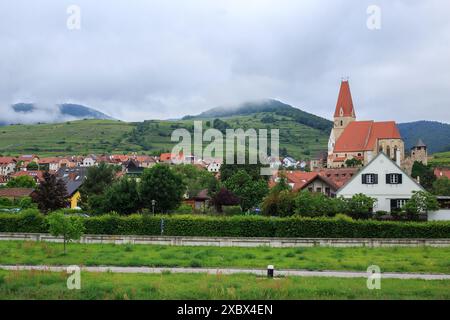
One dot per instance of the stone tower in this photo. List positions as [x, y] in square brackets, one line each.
[419, 153]
[343, 114]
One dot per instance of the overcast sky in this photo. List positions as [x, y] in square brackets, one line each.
[139, 60]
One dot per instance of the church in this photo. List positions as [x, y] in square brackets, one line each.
[360, 140]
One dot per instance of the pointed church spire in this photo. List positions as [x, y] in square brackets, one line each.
[344, 106]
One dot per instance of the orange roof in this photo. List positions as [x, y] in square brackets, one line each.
[15, 192]
[344, 102]
[49, 160]
[363, 135]
[7, 160]
[37, 175]
[338, 176]
[442, 172]
[299, 178]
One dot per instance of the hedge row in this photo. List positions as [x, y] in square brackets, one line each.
[237, 226]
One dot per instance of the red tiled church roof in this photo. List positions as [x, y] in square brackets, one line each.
[344, 102]
[363, 135]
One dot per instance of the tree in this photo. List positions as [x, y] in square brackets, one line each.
[98, 179]
[421, 202]
[250, 192]
[224, 197]
[51, 194]
[69, 227]
[441, 187]
[163, 185]
[33, 166]
[360, 205]
[194, 178]
[228, 170]
[353, 163]
[425, 174]
[21, 182]
[122, 196]
[312, 204]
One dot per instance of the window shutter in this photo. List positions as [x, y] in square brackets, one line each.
[375, 179]
[400, 176]
[364, 181]
[388, 178]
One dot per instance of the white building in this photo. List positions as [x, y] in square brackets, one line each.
[289, 162]
[383, 180]
[88, 162]
[7, 165]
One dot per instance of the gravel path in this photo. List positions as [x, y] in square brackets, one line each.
[261, 272]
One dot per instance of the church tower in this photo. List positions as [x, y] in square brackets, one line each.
[419, 152]
[343, 114]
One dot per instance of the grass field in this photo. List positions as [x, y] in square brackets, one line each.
[46, 285]
[397, 259]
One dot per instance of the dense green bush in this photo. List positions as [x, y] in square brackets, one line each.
[236, 226]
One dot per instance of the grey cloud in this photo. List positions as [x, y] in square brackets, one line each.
[138, 60]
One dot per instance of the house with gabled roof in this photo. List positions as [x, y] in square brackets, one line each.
[7, 165]
[383, 180]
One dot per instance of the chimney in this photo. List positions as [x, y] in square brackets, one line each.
[369, 156]
[397, 157]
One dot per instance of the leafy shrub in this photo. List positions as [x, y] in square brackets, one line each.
[232, 210]
[235, 226]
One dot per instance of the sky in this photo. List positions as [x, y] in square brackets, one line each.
[137, 60]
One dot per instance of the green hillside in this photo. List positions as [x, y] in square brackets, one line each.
[77, 137]
[441, 159]
[150, 137]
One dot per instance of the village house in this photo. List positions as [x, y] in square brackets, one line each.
[383, 180]
[73, 178]
[38, 176]
[89, 161]
[7, 165]
[289, 162]
[15, 194]
[51, 164]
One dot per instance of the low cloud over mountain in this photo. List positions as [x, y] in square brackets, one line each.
[29, 113]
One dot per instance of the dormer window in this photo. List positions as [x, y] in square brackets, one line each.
[341, 112]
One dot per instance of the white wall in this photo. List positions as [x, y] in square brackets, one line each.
[382, 191]
[440, 215]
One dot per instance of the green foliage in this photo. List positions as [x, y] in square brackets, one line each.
[421, 202]
[250, 192]
[32, 166]
[441, 187]
[353, 163]
[312, 204]
[121, 196]
[184, 209]
[426, 174]
[98, 179]
[27, 203]
[21, 182]
[195, 179]
[235, 226]
[360, 205]
[30, 220]
[5, 202]
[69, 227]
[51, 194]
[163, 185]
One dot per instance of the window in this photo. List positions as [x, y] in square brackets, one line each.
[397, 204]
[318, 190]
[342, 123]
[393, 178]
[370, 178]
